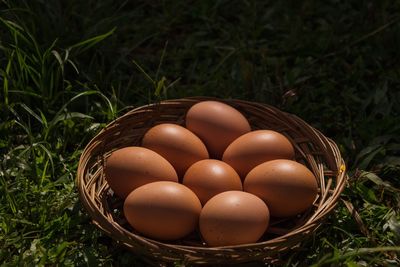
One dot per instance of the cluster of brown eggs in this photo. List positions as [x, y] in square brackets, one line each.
[216, 175]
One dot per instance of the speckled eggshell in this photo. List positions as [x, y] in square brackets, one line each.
[210, 177]
[163, 210]
[177, 144]
[233, 218]
[217, 124]
[256, 147]
[286, 186]
[128, 168]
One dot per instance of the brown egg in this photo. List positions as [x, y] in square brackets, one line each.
[217, 124]
[254, 148]
[130, 167]
[286, 186]
[163, 210]
[209, 177]
[233, 218]
[177, 144]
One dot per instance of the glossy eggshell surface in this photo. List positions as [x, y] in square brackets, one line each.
[128, 168]
[256, 147]
[163, 210]
[209, 177]
[177, 144]
[233, 218]
[286, 186]
[217, 124]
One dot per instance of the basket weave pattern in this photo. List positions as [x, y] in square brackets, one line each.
[317, 152]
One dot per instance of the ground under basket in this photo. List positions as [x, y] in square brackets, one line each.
[312, 148]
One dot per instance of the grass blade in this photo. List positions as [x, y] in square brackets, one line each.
[6, 77]
[161, 60]
[160, 86]
[354, 253]
[48, 153]
[70, 115]
[58, 116]
[31, 112]
[144, 72]
[85, 45]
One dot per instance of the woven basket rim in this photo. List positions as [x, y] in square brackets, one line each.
[313, 222]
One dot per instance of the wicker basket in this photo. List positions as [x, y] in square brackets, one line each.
[312, 148]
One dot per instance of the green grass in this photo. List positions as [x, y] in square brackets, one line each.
[69, 67]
